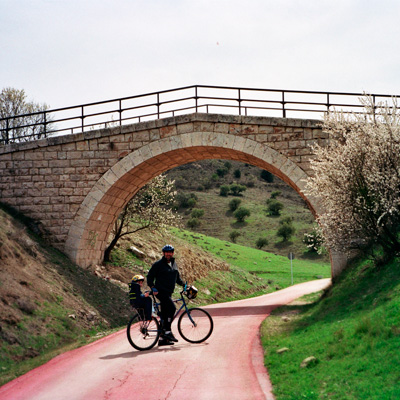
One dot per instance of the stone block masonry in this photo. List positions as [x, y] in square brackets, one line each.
[76, 185]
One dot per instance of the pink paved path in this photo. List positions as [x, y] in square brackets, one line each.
[229, 365]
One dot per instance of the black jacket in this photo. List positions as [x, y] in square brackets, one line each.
[135, 293]
[163, 277]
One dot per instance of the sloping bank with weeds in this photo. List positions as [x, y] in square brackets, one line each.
[342, 344]
[48, 305]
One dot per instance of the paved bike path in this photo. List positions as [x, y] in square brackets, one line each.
[229, 365]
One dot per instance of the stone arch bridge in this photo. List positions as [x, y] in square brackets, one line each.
[77, 184]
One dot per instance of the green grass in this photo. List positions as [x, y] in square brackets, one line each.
[275, 269]
[258, 224]
[353, 331]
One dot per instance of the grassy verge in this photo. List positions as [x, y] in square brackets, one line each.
[353, 332]
[275, 269]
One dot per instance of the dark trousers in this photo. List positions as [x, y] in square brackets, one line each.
[167, 309]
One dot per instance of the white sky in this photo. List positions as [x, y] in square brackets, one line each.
[69, 52]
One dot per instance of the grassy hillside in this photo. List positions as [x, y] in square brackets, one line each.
[276, 269]
[353, 331]
[201, 180]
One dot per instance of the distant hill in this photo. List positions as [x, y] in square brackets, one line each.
[203, 179]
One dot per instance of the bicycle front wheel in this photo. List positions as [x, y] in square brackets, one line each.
[195, 325]
[143, 335]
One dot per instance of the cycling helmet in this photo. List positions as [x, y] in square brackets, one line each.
[168, 247]
[137, 278]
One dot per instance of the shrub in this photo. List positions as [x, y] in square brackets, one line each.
[234, 204]
[227, 165]
[313, 241]
[234, 235]
[193, 223]
[237, 173]
[274, 207]
[197, 213]
[221, 172]
[286, 230]
[183, 200]
[241, 213]
[224, 190]
[236, 189]
[261, 242]
[267, 176]
[208, 183]
[250, 183]
[275, 194]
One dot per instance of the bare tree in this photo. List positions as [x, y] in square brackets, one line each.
[151, 208]
[20, 120]
[357, 180]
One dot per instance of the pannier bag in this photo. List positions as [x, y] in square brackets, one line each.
[191, 292]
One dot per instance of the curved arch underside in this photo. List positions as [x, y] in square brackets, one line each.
[88, 235]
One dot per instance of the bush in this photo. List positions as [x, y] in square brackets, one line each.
[261, 242]
[183, 200]
[241, 213]
[313, 241]
[197, 213]
[234, 204]
[250, 183]
[227, 165]
[221, 172]
[267, 176]
[234, 235]
[275, 194]
[274, 207]
[224, 190]
[236, 189]
[237, 173]
[193, 223]
[286, 229]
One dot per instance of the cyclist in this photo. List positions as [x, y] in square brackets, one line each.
[141, 301]
[162, 278]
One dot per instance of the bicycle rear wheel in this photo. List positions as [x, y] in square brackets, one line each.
[195, 325]
[143, 335]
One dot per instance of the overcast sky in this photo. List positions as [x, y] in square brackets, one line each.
[68, 52]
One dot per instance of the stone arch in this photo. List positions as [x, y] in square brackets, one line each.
[89, 231]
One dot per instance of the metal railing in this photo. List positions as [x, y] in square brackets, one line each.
[189, 99]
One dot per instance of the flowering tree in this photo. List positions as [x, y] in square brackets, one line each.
[357, 179]
[151, 208]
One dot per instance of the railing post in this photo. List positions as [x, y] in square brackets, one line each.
[283, 105]
[195, 96]
[158, 105]
[240, 103]
[120, 112]
[6, 139]
[45, 124]
[328, 103]
[82, 118]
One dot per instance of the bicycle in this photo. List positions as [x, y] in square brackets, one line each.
[195, 325]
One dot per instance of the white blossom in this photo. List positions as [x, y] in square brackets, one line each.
[357, 178]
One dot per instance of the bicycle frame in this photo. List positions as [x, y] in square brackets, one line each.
[183, 306]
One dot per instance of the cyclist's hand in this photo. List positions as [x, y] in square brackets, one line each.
[146, 294]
